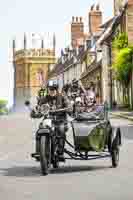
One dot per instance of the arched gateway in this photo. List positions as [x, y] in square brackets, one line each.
[31, 67]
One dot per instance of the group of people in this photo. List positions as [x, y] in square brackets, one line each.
[51, 95]
[69, 90]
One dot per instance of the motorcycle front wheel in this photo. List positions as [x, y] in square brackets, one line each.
[45, 154]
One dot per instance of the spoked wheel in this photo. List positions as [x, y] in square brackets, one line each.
[45, 154]
[115, 157]
[115, 153]
[56, 163]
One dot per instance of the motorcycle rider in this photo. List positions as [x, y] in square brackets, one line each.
[57, 101]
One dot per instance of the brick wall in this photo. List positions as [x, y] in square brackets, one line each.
[95, 20]
[77, 30]
[130, 21]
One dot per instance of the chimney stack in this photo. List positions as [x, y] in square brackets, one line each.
[95, 19]
[80, 19]
[14, 47]
[42, 43]
[73, 19]
[97, 7]
[54, 44]
[77, 30]
[25, 42]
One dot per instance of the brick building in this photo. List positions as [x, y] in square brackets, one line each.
[77, 31]
[121, 22]
[95, 20]
[78, 35]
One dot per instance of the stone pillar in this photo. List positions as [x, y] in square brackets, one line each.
[115, 91]
[27, 81]
[105, 74]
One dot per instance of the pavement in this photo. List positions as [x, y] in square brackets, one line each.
[123, 114]
[21, 179]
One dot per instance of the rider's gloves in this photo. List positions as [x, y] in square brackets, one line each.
[35, 114]
[32, 114]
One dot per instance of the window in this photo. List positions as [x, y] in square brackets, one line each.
[40, 76]
[19, 75]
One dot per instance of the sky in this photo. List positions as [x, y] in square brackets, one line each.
[43, 17]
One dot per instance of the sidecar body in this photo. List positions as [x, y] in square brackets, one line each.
[93, 132]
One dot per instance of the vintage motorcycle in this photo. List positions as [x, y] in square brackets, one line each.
[91, 133]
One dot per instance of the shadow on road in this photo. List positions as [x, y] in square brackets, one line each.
[127, 132]
[25, 171]
[74, 169]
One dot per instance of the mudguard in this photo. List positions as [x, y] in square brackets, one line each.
[43, 131]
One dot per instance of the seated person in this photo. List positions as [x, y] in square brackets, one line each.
[93, 111]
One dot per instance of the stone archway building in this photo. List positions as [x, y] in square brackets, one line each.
[31, 67]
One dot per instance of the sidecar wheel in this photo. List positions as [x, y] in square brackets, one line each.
[115, 157]
[45, 154]
[115, 152]
[56, 164]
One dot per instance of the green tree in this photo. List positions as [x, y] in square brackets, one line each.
[123, 66]
[3, 107]
[123, 63]
[121, 41]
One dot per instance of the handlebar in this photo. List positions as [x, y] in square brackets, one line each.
[58, 110]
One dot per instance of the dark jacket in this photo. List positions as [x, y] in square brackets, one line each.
[57, 102]
[41, 92]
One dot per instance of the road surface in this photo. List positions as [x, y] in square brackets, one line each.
[21, 179]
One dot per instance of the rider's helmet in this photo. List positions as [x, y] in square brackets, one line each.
[52, 85]
[74, 81]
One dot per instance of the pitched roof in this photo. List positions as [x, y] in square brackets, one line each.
[68, 63]
[57, 70]
[107, 23]
[112, 26]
